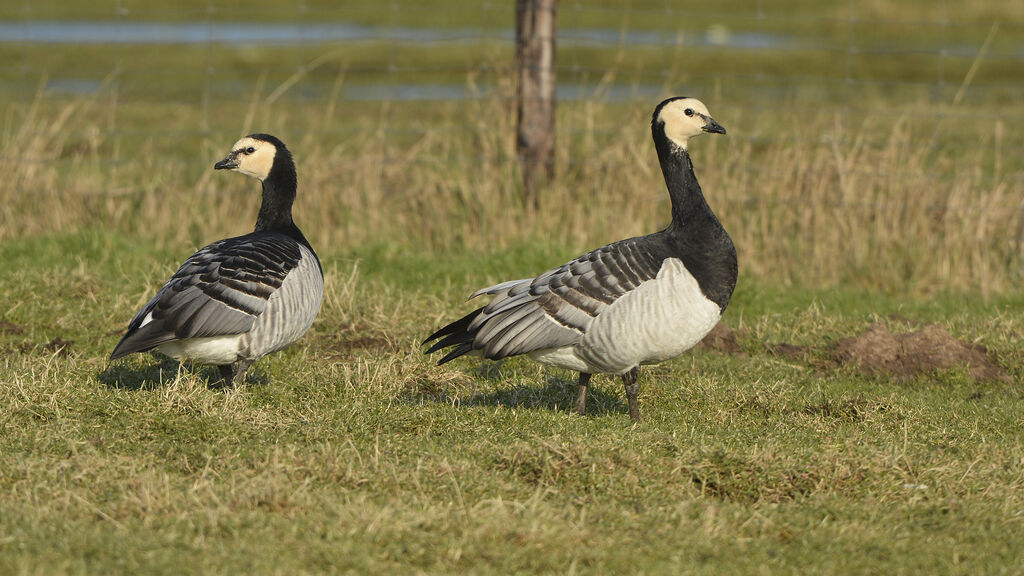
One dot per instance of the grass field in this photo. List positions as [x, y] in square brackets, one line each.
[857, 188]
[352, 452]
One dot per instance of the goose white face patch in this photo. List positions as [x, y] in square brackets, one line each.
[255, 157]
[680, 126]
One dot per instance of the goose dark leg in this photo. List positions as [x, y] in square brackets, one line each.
[580, 407]
[243, 365]
[239, 375]
[629, 380]
[225, 374]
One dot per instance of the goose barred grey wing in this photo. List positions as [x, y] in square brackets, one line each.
[555, 308]
[221, 290]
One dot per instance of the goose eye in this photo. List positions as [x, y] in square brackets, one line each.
[688, 111]
[250, 150]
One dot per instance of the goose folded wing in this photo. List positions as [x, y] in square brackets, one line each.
[555, 309]
[219, 291]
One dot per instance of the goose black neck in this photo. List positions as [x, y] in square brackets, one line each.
[695, 234]
[688, 203]
[278, 196]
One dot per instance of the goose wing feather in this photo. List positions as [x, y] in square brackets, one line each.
[555, 308]
[219, 291]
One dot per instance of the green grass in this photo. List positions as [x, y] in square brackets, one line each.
[352, 452]
[856, 190]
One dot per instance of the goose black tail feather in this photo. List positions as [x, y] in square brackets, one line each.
[127, 346]
[455, 334]
[141, 339]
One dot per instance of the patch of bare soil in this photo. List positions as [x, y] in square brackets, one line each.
[722, 339]
[853, 409]
[58, 346]
[880, 352]
[788, 351]
[348, 341]
[10, 328]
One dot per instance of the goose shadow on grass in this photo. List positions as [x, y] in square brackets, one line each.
[557, 394]
[164, 370]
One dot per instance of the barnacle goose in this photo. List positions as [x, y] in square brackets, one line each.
[242, 298]
[638, 301]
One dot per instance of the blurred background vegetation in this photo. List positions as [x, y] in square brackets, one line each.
[872, 144]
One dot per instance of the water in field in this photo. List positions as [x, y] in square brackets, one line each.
[240, 34]
[131, 32]
[409, 63]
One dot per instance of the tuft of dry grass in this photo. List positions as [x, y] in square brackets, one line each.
[810, 198]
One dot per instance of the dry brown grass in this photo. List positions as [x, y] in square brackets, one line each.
[901, 202]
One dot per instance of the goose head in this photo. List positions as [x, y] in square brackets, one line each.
[253, 156]
[682, 118]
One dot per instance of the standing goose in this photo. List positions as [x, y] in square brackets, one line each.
[242, 298]
[638, 301]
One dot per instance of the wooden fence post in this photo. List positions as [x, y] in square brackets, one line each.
[535, 102]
